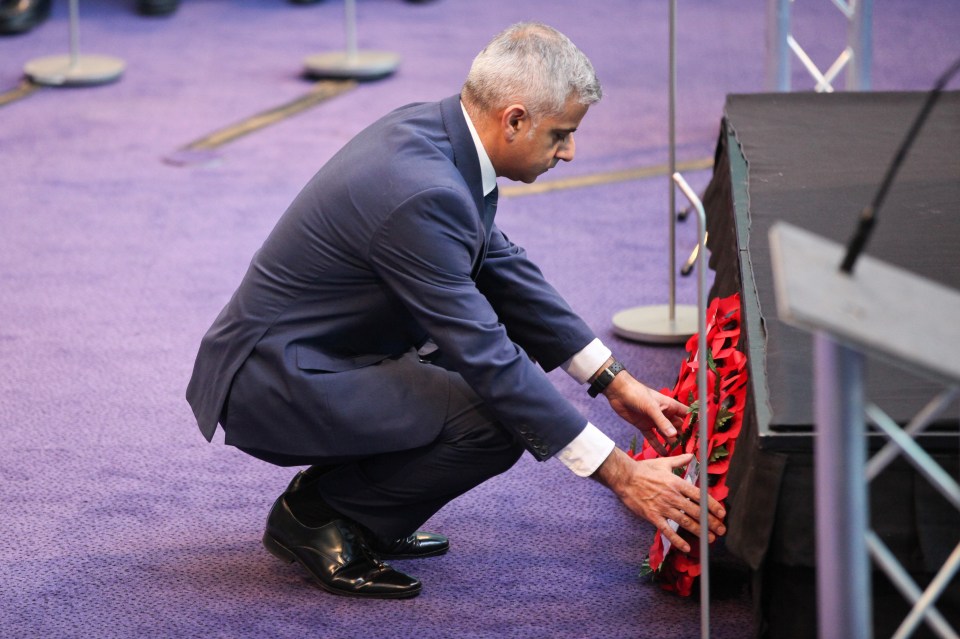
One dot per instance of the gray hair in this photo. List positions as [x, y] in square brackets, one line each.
[532, 64]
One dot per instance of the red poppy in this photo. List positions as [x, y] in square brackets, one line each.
[676, 571]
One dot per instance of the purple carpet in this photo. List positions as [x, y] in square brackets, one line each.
[118, 519]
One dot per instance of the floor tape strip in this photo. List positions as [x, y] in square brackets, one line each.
[206, 149]
[25, 89]
[596, 179]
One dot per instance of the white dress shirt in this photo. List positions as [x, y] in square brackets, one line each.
[591, 447]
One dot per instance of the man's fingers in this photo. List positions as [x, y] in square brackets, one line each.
[692, 493]
[691, 509]
[687, 504]
[655, 442]
[675, 406]
[680, 460]
[686, 521]
[664, 425]
[689, 519]
[659, 496]
[714, 506]
[674, 537]
[716, 509]
[679, 541]
[674, 409]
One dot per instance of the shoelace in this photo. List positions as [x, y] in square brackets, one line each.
[359, 541]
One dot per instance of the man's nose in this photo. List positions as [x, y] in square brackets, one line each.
[567, 149]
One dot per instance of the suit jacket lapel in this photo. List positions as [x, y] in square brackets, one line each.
[464, 152]
[466, 160]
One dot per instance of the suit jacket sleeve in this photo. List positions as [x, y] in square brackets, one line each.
[425, 252]
[535, 315]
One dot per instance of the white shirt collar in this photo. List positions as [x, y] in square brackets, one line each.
[488, 175]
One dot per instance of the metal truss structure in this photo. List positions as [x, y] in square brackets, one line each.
[856, 57]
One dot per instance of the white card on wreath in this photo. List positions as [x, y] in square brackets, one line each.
[692, 474]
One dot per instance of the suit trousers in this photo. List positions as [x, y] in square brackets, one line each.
[393, 493]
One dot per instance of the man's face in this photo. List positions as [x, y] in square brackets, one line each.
[538, 146]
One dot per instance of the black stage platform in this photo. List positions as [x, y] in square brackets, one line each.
[815, 160]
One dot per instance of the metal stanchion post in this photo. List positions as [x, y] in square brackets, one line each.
[353, 63]
[702, 390]
[74, 69]
[670, 323]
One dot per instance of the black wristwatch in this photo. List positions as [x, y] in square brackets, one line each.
[603, 379]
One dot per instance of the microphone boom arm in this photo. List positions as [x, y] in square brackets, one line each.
[869, 212]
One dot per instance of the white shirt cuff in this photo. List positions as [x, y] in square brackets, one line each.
[587, 451]
[588, 361]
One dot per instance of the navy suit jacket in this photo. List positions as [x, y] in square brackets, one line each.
[389, 245]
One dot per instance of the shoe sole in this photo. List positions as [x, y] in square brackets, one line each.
[286, 555]
[432, 553]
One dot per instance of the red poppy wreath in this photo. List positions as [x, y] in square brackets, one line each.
[676, 571]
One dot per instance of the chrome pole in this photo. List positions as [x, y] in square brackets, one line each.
[843, 566]
[702, 391]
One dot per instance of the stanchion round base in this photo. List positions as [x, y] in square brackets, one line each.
[363, 65]
[653, 324]
[65, 70]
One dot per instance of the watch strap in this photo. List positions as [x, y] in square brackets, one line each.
[604, 378]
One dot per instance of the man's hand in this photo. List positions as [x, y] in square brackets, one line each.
[651, 490]
[646, 409]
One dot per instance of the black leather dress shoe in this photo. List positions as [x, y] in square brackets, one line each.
[19, 16]
[419, 544]
[157, 7]
[336, 556]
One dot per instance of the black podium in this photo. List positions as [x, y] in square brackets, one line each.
[813, 161]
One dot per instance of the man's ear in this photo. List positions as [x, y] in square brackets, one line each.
[513, 120]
